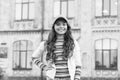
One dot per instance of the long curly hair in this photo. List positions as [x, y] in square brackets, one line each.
[68, 45]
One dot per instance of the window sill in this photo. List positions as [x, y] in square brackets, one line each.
[106, 69]
[106, 17]
[22, 68]
[24, 20]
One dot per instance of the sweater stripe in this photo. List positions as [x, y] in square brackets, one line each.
[60, 63]
[77, 72]
[38, 63]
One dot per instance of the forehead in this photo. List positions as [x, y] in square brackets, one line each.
[60, 20]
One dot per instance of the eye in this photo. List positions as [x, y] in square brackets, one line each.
[64, 24]
[57, 24]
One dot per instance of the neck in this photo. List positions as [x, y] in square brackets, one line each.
[60, 36]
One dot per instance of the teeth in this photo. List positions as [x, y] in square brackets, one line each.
[61, 29]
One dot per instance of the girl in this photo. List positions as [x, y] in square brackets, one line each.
[59, 57]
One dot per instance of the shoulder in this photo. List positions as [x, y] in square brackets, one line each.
[77, 45]
[42, 44]
[76, 42]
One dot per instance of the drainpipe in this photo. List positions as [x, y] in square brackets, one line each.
[42, 15]
[42, 29]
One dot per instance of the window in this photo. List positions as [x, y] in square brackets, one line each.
[22, 51]
[106, 54]
[24, 10]
[64, 7]
[3, 52]
[106, 8]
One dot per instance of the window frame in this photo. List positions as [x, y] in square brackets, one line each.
[110, 53]
[110, 11]
[19, 51]
[67, 8]
[28, 12]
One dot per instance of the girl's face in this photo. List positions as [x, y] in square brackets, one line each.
[60, 27]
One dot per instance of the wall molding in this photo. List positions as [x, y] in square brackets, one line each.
[105, 29]
[19, 32]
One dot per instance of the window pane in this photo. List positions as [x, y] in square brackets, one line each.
[30, 45]
[16, 59]
[98, 59]
[25, 0]
[29, 59]
[16, 45]
[64, 8]
[25, 11]
[31, 11]
[114, 7]
[106, 43]
[98, 6]
[23, 45]
[31, 0]
[98, 44]
[18, 12]
[18, 1]
[56, 8]
[71, 7]
[23, 59]
[106, 62]
[113, 64]
[3, 52]
[106, 7]
[114, 44]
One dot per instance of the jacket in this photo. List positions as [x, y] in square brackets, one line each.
[73, 61]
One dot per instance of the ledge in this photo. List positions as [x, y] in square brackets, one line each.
[39, 78]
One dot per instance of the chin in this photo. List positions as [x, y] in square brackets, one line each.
[62, 33]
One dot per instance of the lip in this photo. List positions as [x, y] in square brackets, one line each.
[61, 29]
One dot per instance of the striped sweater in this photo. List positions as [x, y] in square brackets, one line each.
[61, 63]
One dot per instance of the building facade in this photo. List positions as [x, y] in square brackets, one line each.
[95, 25]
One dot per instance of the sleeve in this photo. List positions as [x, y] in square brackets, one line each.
[77, 61]
[37, 54]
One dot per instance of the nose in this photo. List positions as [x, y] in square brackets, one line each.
[61, 26]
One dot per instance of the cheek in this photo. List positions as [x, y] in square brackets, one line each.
[56, 29]
[66, 27]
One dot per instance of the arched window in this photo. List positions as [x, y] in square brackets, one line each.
[106, 54]
[22, 51]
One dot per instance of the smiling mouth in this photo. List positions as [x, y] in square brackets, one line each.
[61, 29]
